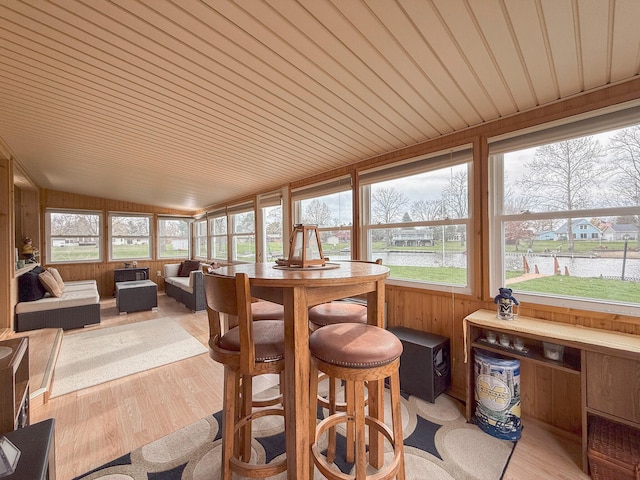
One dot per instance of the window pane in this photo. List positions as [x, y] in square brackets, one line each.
[244, 247]
[336, 244]
[200, 234]
[545, 263]
[417, 223]
[272, 220]
[218, 232]
[244, 222]
[201, 247]
[219, 245]
[420, 254]
[173, 238]
[569, 216]
[333, 213]
[130, 247]
[219, 226]
[130, 237]
[333, 210]
[596, 171]
[74, 236]
[433, 195]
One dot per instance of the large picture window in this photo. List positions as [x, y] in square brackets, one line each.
[218, 234]
[416, 219]
[270, 225]
[174, 237]
[567, 209]
[328, 205]
[200, 238]
[73, 236]
[130, 236]
[242, 235]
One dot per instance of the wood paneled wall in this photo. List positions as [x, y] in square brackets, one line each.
[551, 396]
[102, 272]
[7, 263]
[547, 394]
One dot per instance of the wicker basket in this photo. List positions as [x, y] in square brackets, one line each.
[613, 450]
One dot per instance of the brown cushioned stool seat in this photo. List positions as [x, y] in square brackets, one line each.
[336, 312]
[263, 310]
[360, 355]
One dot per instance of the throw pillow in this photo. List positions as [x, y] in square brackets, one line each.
[50, 283]
[180, 268]
[30, 288]
[187, 267]
[56, 275]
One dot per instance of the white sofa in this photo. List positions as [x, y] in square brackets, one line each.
[188, 290]
[78, 305]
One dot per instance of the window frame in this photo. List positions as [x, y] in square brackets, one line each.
[455, 156]
[264, 202]
[198, 237]
[111, 236]
[187, 236]
[213, 237]
[592, 123]
[337, 185]
[233, 213]
[48, 236]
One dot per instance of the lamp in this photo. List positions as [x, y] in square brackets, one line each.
[9, 455]
[305, 248]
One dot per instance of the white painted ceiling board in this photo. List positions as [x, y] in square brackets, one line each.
[526, 18]
[188, 103]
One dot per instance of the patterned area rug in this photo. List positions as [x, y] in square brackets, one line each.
[439, 445]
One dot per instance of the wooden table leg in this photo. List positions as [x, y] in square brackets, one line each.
[297, 383]
[375, 315]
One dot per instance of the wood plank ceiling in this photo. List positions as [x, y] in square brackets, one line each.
[188, 103]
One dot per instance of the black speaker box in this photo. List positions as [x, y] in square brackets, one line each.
[425, 364]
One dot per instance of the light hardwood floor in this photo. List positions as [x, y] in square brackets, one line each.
[96, 425]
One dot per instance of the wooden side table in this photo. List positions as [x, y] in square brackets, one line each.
[37, 451]
[606, 363]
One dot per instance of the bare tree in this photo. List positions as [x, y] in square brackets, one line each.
[70, 224]
[387, 205]
[426, 210]
[316, 213]
[122, 225]
[455, 200]
[625, 148]
[455, 196]
[565, 176]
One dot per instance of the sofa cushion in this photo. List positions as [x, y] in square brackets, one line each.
[69, 298]
[187, 267]
[49, 282]
[182, 283]
[30, 288]
[57, 276]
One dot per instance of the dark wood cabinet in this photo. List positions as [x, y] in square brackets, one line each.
[130, 274]
[37, 451]
[14, 384]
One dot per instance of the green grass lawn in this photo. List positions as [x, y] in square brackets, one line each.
[558, 285]
[596, 288]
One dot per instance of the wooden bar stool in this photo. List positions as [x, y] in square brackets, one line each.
[357, 354]
[264, 310]
[339, 311]
[246, 350]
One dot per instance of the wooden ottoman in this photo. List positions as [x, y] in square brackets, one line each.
[136, 296]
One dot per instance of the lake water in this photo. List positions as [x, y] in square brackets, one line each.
[581, 267]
